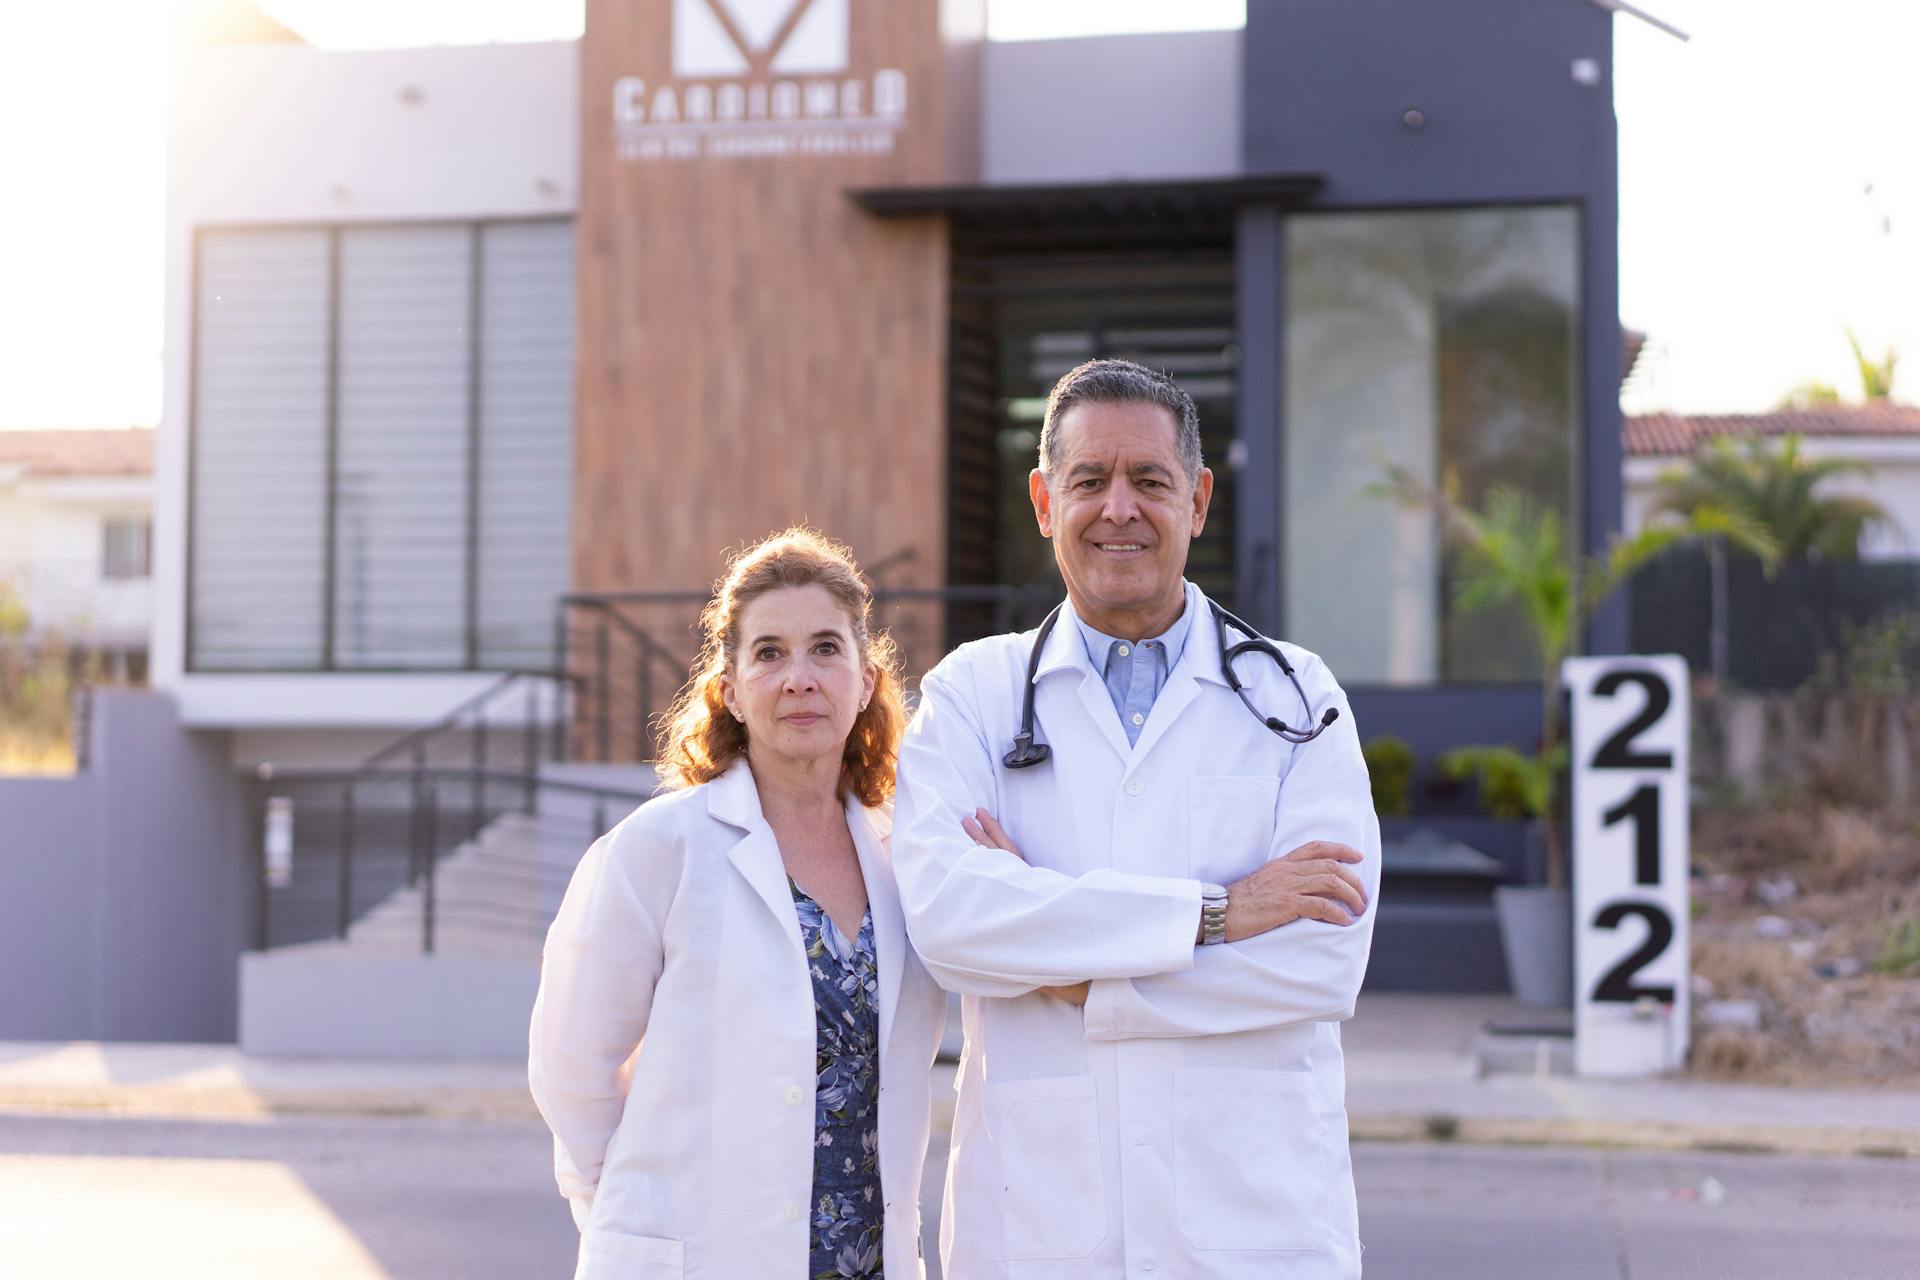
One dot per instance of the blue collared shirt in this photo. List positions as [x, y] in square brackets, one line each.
[1136, 672]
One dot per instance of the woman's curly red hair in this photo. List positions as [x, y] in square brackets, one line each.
[700, 739]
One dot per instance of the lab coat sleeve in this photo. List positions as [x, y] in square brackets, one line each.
[602, 959]
[984, 922]
[1304, 971]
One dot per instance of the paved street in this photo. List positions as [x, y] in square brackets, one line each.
[363, 1198]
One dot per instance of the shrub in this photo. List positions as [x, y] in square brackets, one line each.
[1390, 769]
[1513, 784]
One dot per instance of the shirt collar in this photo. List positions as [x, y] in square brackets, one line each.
[1174, 639]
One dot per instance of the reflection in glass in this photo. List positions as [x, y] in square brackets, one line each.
[1445, 342]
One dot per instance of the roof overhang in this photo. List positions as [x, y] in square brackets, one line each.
[1175, 201]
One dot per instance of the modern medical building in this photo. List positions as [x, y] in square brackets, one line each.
[479, 358]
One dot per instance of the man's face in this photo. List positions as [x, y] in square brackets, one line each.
[1120, 512]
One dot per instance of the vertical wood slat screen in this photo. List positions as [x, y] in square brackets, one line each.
[260, 442]
[452, 480]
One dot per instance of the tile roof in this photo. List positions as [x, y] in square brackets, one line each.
[1672, 434]
[122, 452]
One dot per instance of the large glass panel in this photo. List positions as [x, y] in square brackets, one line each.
[260, 450]
[526, 438]
[400, 531]
[1446, 342]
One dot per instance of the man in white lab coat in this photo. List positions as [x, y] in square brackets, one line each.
[1157, 904]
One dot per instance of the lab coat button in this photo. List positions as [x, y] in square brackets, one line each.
[794, 1095]
[793, 1212]
[1135, 786]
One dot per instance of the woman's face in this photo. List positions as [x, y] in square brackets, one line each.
[798, 680]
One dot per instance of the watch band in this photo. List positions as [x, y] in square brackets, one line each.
[1213, 914]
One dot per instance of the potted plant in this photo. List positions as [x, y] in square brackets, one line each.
[1515, 552]
[1535, 919]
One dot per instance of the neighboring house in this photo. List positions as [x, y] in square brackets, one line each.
[1885, 436]
[76, 529]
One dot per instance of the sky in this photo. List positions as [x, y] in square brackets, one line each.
[1770, 194]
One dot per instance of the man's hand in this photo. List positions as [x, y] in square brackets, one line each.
[1311, 883]
[987, 832]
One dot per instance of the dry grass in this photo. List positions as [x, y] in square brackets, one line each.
[1858, 877]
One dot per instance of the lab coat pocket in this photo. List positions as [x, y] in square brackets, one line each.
[1044, 1177]
[615, 1255]
[1229, 825]
[1251, 1167]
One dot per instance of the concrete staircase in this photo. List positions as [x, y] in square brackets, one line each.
[379, 993]
[494, 895]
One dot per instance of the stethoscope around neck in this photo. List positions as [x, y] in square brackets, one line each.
[1026, 752]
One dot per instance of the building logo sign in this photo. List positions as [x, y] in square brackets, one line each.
[755, 78]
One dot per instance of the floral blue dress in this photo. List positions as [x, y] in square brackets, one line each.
[847, 1205]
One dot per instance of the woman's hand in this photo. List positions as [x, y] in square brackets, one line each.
[988, 833]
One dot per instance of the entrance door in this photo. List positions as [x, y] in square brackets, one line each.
[1022, 316]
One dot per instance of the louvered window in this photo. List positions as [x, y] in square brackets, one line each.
[382, 446]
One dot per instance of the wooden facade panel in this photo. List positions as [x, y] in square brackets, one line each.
[754, 350]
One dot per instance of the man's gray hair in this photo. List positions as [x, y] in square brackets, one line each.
[1121, 382]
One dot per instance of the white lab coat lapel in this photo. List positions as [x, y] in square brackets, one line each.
[1057, 699]
[734, 800]
[870, 827]
[1199, 660]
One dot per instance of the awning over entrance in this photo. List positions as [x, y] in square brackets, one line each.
[1131, 204]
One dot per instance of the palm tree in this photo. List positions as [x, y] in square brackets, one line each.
[1774, 489]
[1876, 376]
[1770, 489]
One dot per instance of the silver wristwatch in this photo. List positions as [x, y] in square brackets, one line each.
[1213, 914]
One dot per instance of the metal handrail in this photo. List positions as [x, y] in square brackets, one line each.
[450, 720]
[613, 689]
[424, 828]
[430, 773]
[963, 593]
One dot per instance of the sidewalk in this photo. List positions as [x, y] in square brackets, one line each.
[1412, 1075]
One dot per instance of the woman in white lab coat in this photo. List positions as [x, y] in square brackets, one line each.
[732, 1037]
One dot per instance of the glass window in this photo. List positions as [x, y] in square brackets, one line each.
[526, 439]
[260, 450]
[125, 547]
[400, 517]
[1446, 342]
[341, 384]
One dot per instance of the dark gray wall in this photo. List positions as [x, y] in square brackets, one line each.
[1325, 89]
[1328, 81]
[123, 896]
